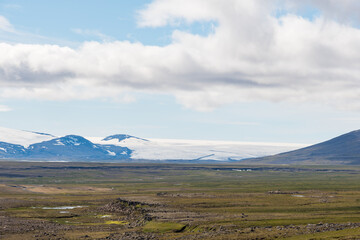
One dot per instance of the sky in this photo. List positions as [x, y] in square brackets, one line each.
[239, 70]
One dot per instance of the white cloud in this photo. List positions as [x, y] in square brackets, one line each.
[5, 108]
[5, 25]
[93, 33]
[250, 56]
[347, 11]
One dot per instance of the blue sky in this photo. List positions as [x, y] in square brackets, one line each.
[188, 70]
[73, 22]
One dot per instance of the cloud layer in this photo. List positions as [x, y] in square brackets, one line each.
[252, 55]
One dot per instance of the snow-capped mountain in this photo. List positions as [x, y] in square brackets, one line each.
[77, 148]
[25, 145]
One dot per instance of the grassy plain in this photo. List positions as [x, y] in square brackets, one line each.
[178, 201]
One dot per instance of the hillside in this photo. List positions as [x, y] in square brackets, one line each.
[344, 149]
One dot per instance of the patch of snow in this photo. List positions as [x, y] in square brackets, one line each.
[242, 170]
[111, 153]
[300, 196]
[62, 208]
[59, 143]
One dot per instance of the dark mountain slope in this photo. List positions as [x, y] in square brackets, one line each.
[8, 150]
[344, 149]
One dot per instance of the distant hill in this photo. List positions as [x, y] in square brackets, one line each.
[344, 149]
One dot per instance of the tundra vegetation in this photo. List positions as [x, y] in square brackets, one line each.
[178, 201]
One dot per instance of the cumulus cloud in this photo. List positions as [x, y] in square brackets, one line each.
[251, 55]
[346, 12]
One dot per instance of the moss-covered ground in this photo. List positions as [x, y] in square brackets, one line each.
[173, 201]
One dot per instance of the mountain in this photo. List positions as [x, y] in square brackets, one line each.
[344, 149]
[74, 147]
[27, 145]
